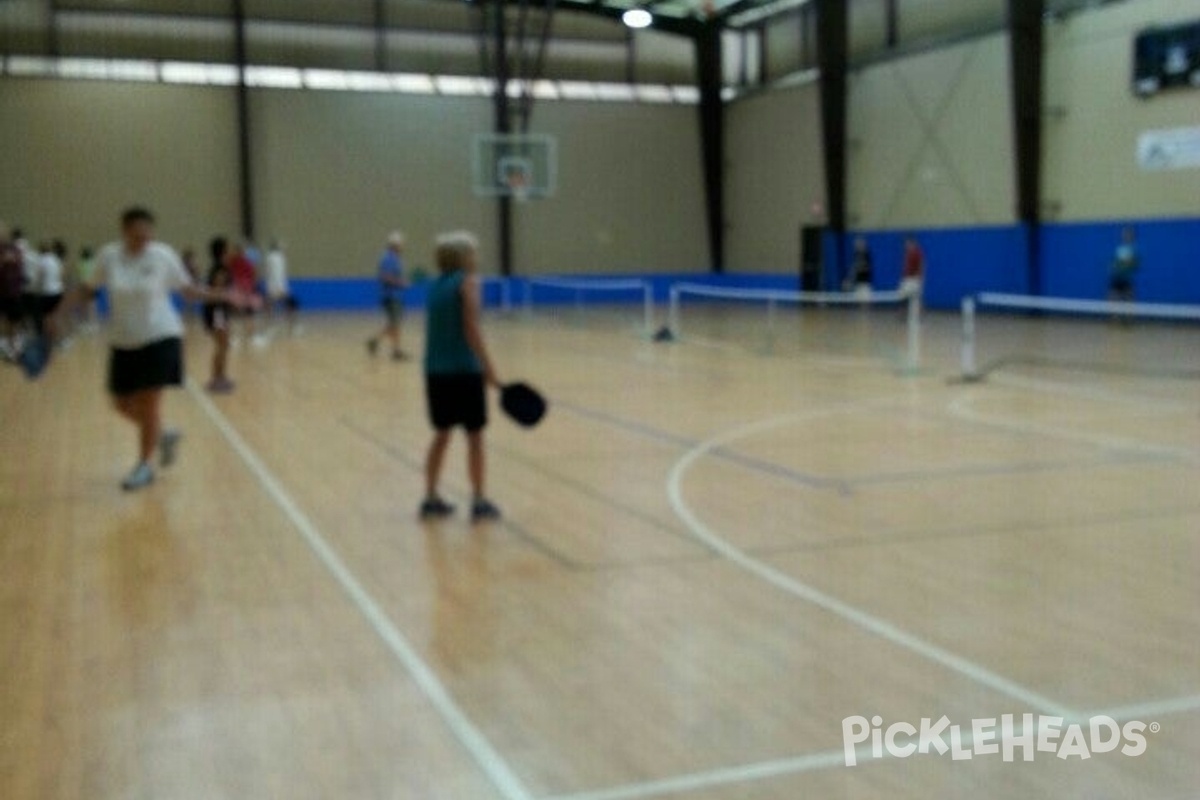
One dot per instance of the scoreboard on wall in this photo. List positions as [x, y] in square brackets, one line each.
[1166, 58]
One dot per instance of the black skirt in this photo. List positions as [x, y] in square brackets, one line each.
[154, 366]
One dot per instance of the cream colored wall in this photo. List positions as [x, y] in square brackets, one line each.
[1089, 153]
[335, 172]
[925, 20]
[930, 139]
[775, 172]
[76, 153]
[630, 197]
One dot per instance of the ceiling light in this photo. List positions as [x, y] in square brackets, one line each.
[637, 18]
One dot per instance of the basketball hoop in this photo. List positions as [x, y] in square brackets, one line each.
[521, 167]
[518, 186]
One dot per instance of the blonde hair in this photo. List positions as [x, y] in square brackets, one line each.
[453, 249]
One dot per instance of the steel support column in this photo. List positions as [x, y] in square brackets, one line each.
[503, 125]
[379, 23]
[1025, 44]
[891, 10]
[712, 137]
[831, 37]
[245, 165]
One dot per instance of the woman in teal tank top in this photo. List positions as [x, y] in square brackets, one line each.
[447, 351]
[458, 370]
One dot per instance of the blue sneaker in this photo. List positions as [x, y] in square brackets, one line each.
[483, 510]
[435, 508]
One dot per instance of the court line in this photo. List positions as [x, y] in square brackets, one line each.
[1122, 397]
[520, 532]
[964, 408]
[808, 479]
[830, 759]
[746, 773]
[696, 781]
[1153, 708]
[488, 759]
[587, 490]
[862, 619]
[998, 470]
[916, 536]
[725, 549]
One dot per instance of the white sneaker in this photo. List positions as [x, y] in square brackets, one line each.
[141, 477]
[168, 447]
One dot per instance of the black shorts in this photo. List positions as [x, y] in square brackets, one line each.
[1121, 285]
[48, 304]
[12, 309]
[155, 366]
[392, 308]
[216, 316]
[458, 400]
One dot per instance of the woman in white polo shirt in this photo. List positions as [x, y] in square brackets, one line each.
[49, 283]
[145, 331]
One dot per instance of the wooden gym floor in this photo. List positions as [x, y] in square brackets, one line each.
[712, 555]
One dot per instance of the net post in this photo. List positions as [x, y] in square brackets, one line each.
[914, 330]
[648, 308]
[970, 370]
[673, 310]
[770, 324]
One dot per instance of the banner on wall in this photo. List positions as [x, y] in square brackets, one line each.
[1173, 148]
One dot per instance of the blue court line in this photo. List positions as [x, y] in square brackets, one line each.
[998, 470]
[902, 536]
[518, 531]
[846, 486]
[758, 465]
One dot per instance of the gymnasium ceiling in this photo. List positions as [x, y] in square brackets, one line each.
[440, 37]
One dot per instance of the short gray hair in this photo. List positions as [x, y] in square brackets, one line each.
[452, 249]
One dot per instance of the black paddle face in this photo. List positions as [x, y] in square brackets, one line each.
[523, 404]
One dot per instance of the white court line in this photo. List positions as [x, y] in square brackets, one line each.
[787, 583]
[831, 759]
[1144, 402]
[489, 760]
[963, 408]
[1154, 708]
[718, 777]
[762, 770]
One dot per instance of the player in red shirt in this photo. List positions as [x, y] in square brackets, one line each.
[914, 267]
[245, 284]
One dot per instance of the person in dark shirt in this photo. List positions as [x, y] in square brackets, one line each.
[12, 282]
[458, 371]
[861, 270]
[1124, 268]
[218, 316]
